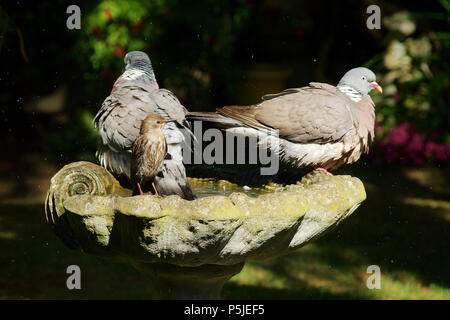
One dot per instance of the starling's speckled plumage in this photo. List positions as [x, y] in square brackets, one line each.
[148, 153]
[135, 95]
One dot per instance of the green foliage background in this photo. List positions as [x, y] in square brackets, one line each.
[414, 68]
[202, 51]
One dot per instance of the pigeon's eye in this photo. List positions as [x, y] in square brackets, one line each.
[364, 78]
[158, 122]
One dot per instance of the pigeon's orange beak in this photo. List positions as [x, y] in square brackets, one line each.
[376, 86]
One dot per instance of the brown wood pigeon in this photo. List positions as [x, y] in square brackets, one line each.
[319, 125]
[135, 95]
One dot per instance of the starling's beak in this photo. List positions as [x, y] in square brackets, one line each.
[376, 86]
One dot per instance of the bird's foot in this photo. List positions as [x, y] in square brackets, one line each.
[140, 189]
[323, 170]
[154, 188]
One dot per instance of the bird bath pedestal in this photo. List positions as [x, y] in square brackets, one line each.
[190, 249]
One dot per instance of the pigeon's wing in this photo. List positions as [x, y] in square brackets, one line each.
[119, 122]
[172, 177]
[169, 104]
[121, 114]
[243, 115]
[276, 95]
[318, 113]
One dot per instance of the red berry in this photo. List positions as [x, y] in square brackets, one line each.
[97, 31]
[139, 26]
[119, 51]
[108, 14]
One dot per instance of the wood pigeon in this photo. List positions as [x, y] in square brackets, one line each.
[319, 125]
[135, 95]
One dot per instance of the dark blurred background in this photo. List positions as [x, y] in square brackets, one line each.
[214, 53]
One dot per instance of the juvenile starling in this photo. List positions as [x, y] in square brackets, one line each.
[148, 153]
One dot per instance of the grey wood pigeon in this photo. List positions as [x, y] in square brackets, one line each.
[319, 125]
[135, 95]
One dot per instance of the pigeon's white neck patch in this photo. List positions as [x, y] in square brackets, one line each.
[353, 94]
[140, 75]
[133, 74]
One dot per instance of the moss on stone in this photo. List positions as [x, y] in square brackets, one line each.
[93, 211]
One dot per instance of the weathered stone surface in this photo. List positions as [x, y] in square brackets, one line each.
[91, 212]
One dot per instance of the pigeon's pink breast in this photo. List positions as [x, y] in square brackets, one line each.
[335, 154]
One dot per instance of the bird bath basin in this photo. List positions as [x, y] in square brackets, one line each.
[189, 249]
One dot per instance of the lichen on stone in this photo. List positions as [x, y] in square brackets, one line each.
[217, 229]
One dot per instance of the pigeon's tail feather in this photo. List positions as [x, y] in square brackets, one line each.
[203, 116]
[187, 126]
[172, 177]
[231, 117]
[172, 180]
[170, 184]
[116, 162]
[217, 119]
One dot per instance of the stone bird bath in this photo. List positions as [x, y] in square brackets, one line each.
[191, 248]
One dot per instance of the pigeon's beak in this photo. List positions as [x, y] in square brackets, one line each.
[376, 86]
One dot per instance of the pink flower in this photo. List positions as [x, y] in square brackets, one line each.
[400, 135]
[430, 149]
[443, 153]
[407, 146]
[414, 145]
